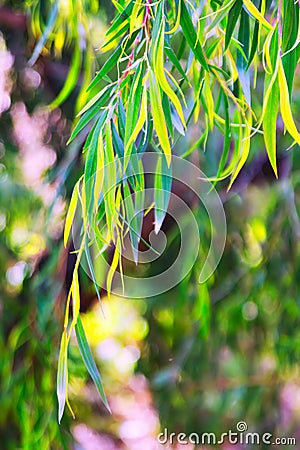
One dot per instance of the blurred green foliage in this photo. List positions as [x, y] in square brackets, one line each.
[213, 354]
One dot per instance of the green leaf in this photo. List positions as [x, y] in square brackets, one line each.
[257, 14]
[89, 137]
[117, 141]
[233, 16]
[107, 66]
[285, 105]
[158, 64]
[244, 149]
[254, 43]
[167, 112]
[110, 180]
[89, 360]
[162, 192]
[134, 103]
[191, 36]
[227, 138]
[121, 119]
[134, 232]
[221, 13]
[272, 103]
[269, 124]
[243, 37]
[121, 18]
[133, 141]
[139, 200]
[71, 79]
[290, 33]
[176, 64]
[112, 60]
[201, 310]
[92, 112]
[158, 118]
[91, 163]
[91, 268]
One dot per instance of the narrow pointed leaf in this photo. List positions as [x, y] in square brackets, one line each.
[285, 106]
[89, 360]
[159, 119]
[71, 213]
[62, 376]
[158, 57]
[191, 36]
[233, 16]
[162, 192]
[256, 14]
[271, 104]
[71, 79]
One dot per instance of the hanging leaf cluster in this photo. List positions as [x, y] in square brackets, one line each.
[169, 64]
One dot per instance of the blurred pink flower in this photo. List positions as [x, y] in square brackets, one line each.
[6, 63]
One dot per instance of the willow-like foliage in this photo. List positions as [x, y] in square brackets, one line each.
[169, 64]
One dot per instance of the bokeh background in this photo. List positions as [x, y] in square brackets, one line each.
[199, 358]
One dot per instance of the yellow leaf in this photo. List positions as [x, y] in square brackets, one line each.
[177, 86]
[133, 16]
[100, 172]
[266, 54]
[93, 101]
[285, 106]
[118, 207]
[110, 181]
[209, 101]
[176, 25]
[66, 320]
[139, 124]
[111, 37]
[232, 65]
[255, 13]
[71, 214]
[113, 268]
[159, 119]
[160, 73]
[82, 197]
